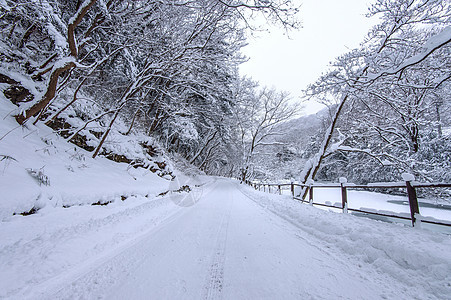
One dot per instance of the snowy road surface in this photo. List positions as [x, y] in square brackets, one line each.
[230, 246]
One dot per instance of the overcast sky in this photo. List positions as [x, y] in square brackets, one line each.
[329, 29]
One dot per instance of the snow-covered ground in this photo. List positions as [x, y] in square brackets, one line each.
[231, 242]
[221, 240]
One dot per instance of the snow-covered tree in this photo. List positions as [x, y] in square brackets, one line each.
[164, 67]
[386, 83]
[257, 115]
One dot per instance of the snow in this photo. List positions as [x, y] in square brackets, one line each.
[82, 7]
[221, 240]
[342, 180]
[379, 202]
[431, 45]
[446, 131]
[63, 62]
[23, 80]
[441, 38]
[58, 38]
[4, 5]
[406, 255]
[407, 177]
[234, 243]
[54, 241]
[75, 178]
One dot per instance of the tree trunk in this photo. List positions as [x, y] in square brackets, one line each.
[68, 64]
[96, 152]
[439, 121]
[209, 139]
[313, 165]
[133, 121]
[49, 94]
[81, 12]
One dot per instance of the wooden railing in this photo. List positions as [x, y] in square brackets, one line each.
[409, 186]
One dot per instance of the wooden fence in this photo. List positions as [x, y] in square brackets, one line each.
[409, 186]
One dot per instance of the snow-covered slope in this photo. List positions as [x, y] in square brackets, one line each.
[39, 168]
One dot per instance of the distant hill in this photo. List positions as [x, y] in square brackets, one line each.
[294, 145]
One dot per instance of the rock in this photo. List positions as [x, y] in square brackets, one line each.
[6, 79]
[15, 92]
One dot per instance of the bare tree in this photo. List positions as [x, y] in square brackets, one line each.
[257, 115]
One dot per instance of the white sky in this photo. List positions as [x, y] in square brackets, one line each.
[329, 29]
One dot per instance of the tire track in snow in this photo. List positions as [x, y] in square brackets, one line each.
[215, 276]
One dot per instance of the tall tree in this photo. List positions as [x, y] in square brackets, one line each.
[392, 49]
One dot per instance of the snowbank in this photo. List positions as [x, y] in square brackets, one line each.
[414, 256]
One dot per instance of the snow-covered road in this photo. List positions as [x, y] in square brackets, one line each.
[229, 246]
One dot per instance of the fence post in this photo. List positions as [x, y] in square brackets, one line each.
[310, 195]
[280, 190]
[269, 189]
[264, 188]
[413, 201]
[344, 195]
[292, 189]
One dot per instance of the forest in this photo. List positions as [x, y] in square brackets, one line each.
[138, 162]
[166, 74]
